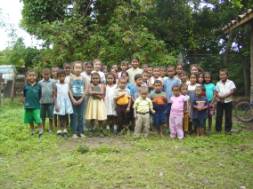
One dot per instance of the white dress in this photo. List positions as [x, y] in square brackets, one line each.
[62, 100]
[109, 100]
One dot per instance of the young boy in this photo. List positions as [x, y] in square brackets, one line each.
[47, 99]
[123, 67]
[168, 84]
[225, 89]
[156, 76]
[159, 100]
[134, 70]
[138, 84]
[123, 103]
[32, 94]
[142, 107]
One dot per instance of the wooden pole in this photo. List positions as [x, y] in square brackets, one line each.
[251, 63]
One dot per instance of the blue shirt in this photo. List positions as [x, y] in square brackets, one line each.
[168, 84]
[195, 114]
[209, 88]
[47, 87]
[77, 87]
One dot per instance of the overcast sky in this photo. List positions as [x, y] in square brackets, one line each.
[10, 14]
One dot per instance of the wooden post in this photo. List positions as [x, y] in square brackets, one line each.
[251, 63]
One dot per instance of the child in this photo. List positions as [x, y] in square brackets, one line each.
[109, 101]
[199, 110]
[123, 67]
[63, 106]
[32, 94]
[134, 70]
[97, 65]
[77, 93]
[159, 100]
[184, 92]
[86, 74]
[168, 84]
[179, 70]
[178, 106]
[67, 69]
[54, 71]
[96, 110]
[210, 91]
[138, 84]
[145, 79]
[184, 78]
[201, 78]
[225, 89]
[192, 86]
[47, 99]
[142, 107]
[156, 76]
[122, 100]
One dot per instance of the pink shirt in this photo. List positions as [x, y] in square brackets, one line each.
[177, 106]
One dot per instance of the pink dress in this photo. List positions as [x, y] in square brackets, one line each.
[176, 116]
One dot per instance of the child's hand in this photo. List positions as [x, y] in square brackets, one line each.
[128, 109]
[57, 108]
[153, 111]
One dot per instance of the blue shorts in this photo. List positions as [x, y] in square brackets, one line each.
[159, 118]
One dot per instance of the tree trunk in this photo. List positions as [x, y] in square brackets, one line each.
[251, 63]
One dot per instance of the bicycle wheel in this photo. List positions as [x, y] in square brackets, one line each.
[244, 111]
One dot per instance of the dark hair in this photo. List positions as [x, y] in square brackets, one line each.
[61, 72]
[111, 74]
[124, 62]
[194, 75]
[176, 86]
[224, 70]
[137, 76]
[136, 58]
[158, 82]
[208, 73]
[30, 71]
[96, 74]
[171, 66]
[66, 64]
[46, 69]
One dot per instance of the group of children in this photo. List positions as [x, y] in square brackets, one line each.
[85, 95]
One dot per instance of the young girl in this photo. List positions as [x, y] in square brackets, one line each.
[97, 65]
[179, 70]
[77, 93]
[184, 78]
[199, 110]
[63, 106]
[109, 101]
[96, 110]
[123, 102]
[178, 105]
[123, 68]
[210, 91]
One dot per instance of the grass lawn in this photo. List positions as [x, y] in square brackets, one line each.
[217, 161]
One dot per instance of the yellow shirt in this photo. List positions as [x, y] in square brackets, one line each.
[143, 105]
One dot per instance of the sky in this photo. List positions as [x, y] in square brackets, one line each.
[10, 14]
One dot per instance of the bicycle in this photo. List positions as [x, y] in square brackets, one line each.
[244, 111]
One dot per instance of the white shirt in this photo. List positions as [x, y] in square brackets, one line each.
[132, 73]
[225, 88]
[86, 77]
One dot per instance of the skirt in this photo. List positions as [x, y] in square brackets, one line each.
[96, 110]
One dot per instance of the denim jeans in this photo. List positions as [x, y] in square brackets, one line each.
[77, 118]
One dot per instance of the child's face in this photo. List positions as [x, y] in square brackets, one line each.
[115, 67]
[123, 67]
[184, 90]
[67, 69]
[122, 84]
[150, 70]
[223, 76]
[156, 73]
[163, 72]
[207, 78]
[77, 69]
[135, 63]
[145, 76]
[144, 95]
[145, 67]
[158, 87]
[200, 79]
[61, 78]
[54, 72]
[171, 72]
[179, 69]
[139, 81]
[194, 70]
[97, 66]
[198, 91]
[46, 75]
[125, 76]
[88, 68]
[183, 78]
[193, 79]
[176, 91]
[31, 77]
[110, 79]
[95, 79]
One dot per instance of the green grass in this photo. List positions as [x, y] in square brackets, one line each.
[218, 161]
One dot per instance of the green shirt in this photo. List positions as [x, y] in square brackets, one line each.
[32, 94]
